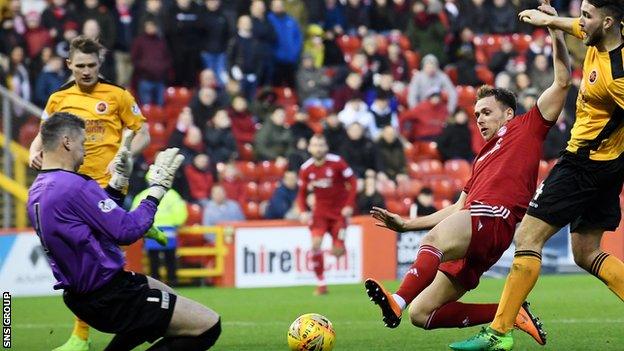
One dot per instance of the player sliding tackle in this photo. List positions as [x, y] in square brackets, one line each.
[80, 227]
[468, 237]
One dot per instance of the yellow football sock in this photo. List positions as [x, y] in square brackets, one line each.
[81, 329]
[525, 270]
[611, 271]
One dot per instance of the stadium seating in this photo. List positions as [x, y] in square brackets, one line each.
[413, 60]
[442, 187]
[28, 132]
[154, 114]
[266, 190]
[247, 170]
[317, 113]
[451, 72]
[195, 213]
[251, 210]
[349, 44]
[410, 188]
[426, 150]
[459, 169]
[251, 191]
[245, 152]
[179, 96]
[484, 74]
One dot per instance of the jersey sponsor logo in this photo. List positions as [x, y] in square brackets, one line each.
[593, 76]
[101, 107]
[329, 172]
[502, 131]
[107, 205]
[135, 109]
[322, 183]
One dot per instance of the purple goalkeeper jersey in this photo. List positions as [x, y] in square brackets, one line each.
[80, 228]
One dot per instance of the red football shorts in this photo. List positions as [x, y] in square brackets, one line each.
[492, 232]
[336, 227]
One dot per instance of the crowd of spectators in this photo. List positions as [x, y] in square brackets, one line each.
[374, 76]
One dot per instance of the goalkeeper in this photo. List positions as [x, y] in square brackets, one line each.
[80, 227]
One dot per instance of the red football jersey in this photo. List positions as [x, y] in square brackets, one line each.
[329, 184]
[505, 170]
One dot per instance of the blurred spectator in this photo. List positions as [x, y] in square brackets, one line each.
[288, 47]
[283, 198]
[204, 105]
[381, 16]
[231, 181]
[369, 196]
[199, 177]
[171, 214]
[357, 17]
[383, 87]
[391, 163]
[455, 142]
[182, 31]
[70, 31]
[334, 15]
[503, 17]
[300, 128]
[402, 14]
[451, 10]
[297, 9]
[273, 140]
[398, 64]
[431, 77]
[244, 56]
[314, 45]
[298, 155]
[527, 99]
[539, 46]
[56, 14]
[332, 55]
[557, 138]
[334, 133]
[215, 34]
[466, 64]
[425, 30]
[10, 37]
[154, 9]
[356, 111]
[243, 125]
[312, 85]
[92, 9]
[264, 33]
[221, 209]
[501, 58]
[348, 91]
[264, 104]
[358, 150]
[475, 16]
[382, 115]
[152, 62]
[522, 81]
[424, 202]
[91, 29]
[426, 120]
[126, 17]
[186, 136]
[359, 64]
[315, 10]
[49, 80]
[36, 36]
[218, 138]
[17, 78]
[12, 9]
[503, 80]
[377, 63]
[541, 73]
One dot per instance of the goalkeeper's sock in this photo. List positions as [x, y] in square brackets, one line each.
[611, 271]
[81, 329]
[200, 342]
[459, 315]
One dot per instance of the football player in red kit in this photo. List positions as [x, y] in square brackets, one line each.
[333, 184]
[468, 237]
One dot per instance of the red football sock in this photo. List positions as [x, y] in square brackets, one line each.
[459, 315]
[318, 264]
[421, 273]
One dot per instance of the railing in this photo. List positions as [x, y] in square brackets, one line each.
[13, 175]
[218, 251]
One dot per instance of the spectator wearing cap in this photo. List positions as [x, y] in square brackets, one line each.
[391, 163]
[314, 45]
[431, 77]
[426, 120]
[288, 47]
[152, 61]
[382, 115]
[312, 85]
[358, 150]
[455, 142]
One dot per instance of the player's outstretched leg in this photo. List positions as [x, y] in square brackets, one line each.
[390, 310]
[530, 324]
[79, 340]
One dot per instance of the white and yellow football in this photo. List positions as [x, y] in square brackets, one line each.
[311, 332]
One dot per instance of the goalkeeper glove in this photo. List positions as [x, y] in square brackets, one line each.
[122, 163]
[161, 173]
[158, 235]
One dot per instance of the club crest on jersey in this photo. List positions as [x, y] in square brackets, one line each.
[502, 131]
[329, 172]
[593, 76]
[101, 108]
[107, 205]
[136, 110]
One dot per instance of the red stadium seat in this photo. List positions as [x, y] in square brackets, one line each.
[317, 113]
[28, 132]
[443, 188]
[179, 96]
[404, 43]
[382, 44]
[270, 171]
[431, 167]
[484, 74]
[521, 42]
[291, 110]
[460, 169]
[154, 114]
[172, 112]
[410, 188]
[349, 45]
[158, 133]
[398, 207]
[451, 72]
[251, 191]
[195, 213]
[410, 152]
[285, 96]
[440, 204]
[251, 210]
[466, 97]
[426, 150]
[387, 189]
[247, 170]
[413, 60]
[266, 190]
[246, 152]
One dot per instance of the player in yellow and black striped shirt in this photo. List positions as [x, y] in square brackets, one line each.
[584, 186]
[108, 110]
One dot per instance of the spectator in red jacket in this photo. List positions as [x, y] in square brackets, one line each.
[199, 177]
[37, 36]
[152, 62]
[426, 120]
[243, 124]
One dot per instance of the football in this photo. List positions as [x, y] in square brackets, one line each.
[311, 332]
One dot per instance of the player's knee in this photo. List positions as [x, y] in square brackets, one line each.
[582, 257]
[418, 317]
[338, 251]
[210, 336]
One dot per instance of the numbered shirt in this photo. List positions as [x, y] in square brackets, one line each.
[107, 110]
[332, 182]
[505, 170]
[80, 228]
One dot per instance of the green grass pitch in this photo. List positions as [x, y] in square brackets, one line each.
[578, 311]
